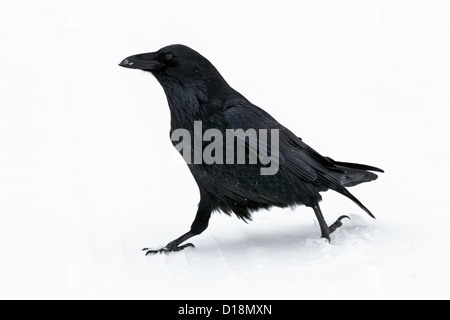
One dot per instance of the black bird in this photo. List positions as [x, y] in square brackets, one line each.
[196, 91]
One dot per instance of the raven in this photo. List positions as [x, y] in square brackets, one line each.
[196, 91]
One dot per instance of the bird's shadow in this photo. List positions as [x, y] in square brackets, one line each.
[297, 241]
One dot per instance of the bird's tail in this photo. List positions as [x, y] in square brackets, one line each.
[350, 175]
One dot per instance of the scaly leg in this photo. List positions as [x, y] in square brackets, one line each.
[327, 231]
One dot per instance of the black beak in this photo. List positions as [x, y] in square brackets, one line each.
[145, 61]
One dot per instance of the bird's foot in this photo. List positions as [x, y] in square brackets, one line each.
[171, 247]
[338, 223]
[334, 227]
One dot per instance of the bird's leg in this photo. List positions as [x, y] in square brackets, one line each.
[200, 224]
[327, 231]
[323, 224]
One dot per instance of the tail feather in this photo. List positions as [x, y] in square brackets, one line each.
[355, 177]
[355, 166]
[338, 187]
[349, 175]
[352, 174]
[346, 193]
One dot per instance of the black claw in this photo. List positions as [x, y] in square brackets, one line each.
[338, 223]
[152, 252]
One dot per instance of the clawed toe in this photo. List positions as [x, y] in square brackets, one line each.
[338, 223]
[168, 249]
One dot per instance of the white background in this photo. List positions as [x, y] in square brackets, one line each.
[88, 175]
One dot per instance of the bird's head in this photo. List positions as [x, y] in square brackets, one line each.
[177, 63]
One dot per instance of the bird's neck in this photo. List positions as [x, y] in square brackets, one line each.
[195, 102]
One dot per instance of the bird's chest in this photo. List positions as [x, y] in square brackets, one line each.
[193, 114]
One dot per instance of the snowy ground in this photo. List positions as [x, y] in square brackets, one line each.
[88, 176]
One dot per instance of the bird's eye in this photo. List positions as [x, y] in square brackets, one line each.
[168, 56]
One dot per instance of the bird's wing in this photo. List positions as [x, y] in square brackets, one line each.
[243, 115]
[295, 155]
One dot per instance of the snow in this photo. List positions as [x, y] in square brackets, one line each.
[88, 176]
